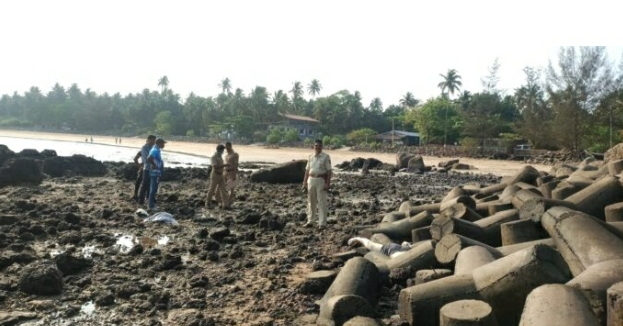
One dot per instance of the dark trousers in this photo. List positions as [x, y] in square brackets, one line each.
[145, 185]
[137, 183]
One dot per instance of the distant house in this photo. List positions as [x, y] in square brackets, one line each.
[406, 138]
[305, 126]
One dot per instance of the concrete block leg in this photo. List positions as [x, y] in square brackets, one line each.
[557, 305]
[467, 313]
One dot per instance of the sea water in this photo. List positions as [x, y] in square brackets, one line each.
[101, 152]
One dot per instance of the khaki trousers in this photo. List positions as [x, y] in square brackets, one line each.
[217, 183]
[316, 200]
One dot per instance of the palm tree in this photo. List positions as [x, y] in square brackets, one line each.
[314, 88]
[465, 100]
[297, 93]
[163, 82]
[225, 86]
[451, 82]
[409, 101]
[376, 104]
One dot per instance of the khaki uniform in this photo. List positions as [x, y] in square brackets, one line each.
[217, 181]
[318, 166]
[231, 173]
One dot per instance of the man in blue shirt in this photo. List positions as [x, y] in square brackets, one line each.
[141, 187]
[156, 166]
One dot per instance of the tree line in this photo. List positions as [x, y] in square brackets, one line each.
[575, 104]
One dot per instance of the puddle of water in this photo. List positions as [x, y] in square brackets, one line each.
[88, 308]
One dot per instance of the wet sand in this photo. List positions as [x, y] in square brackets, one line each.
[251, 153]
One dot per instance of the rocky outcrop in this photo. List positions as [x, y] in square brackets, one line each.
[20, 171]
[58, 166]
[291, 172]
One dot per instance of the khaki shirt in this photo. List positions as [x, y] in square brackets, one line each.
[217, 163]
[319, 164]
[232, 160]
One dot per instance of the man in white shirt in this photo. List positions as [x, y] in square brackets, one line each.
[317, 181]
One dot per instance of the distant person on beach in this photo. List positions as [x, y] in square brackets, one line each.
[217, 181]
[392, 250]
[156, 167]
[91, 139]
[141, 186]
[316, 182]
[231, 171]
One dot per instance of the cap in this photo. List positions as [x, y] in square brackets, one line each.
[160, 140]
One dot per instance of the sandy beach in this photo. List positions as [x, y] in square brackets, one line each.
[274, 155]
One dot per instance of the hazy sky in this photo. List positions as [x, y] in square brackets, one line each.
[380, 48]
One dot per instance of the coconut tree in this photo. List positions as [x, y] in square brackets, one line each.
[225, 86]
[451, 83]
[314, 88]
[163, 82]
[409, 101]
[376, 104]
[297, 93]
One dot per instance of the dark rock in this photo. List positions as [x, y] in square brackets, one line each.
[447, 164]
[106, 213]
[58, 166]
[72, 218]
[126, 290]
[27, 152]
[170, 262]
[8, 219]
[249, 218]
[402, 160]
[290, 172]
[20, 171]
[48, 153]
[199, 281]
[5, 154]
[70, 265]
[41, 278]
[105, 299]
[27, 236]
[211, 245]
[219, 233]
[416, 164]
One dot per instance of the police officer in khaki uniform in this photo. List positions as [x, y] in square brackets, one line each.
[217, 181]
[317, 181]
[231, 171]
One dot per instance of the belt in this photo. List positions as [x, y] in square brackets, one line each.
[324, 175]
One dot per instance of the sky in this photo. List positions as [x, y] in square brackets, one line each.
[380, 48]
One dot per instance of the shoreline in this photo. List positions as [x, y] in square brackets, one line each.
[257, 154]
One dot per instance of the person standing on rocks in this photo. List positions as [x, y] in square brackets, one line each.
[317, 181]
[217, 181]
[141, 186]
[231, 171]
[156, 166]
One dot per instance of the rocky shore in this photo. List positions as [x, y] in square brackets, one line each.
[73, 251]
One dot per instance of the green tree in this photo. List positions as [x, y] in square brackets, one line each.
[163, 82]
[429, 120]
[408, 100]
[314, 88]
[225, 86]
[376, 104]
[575, 88]
[535, 113]
[451, 83]
[360, 135]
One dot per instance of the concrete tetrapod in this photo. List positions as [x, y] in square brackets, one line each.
[471, 258]
[419, 257]
[603, 192]
[447, 249]
[465, 200]
[467, 313]
[521, 231]
[362, 321]
[462, 212]
[581, 239]
[506, 282]
[354, 292]
[420, 304]
[557, 305]
[614, 212]
[421, 234]
[443, 225]
[615, 305]
[510, 249]
[427, 275]
[527, 174]
[594, 283]
[400, 230]
[491, 226]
